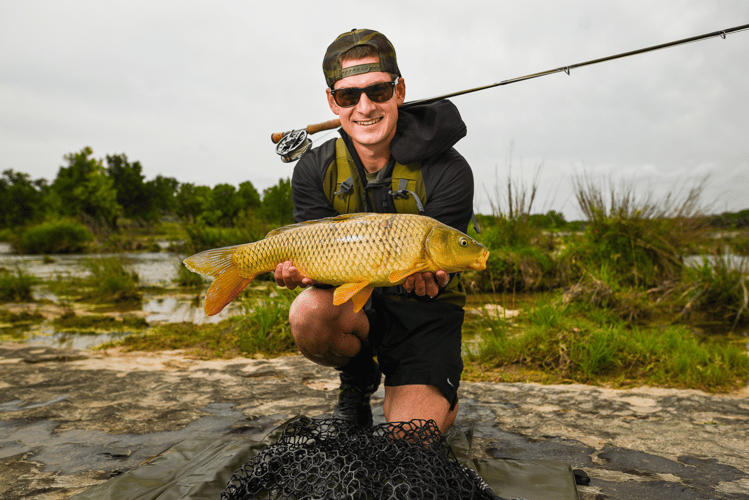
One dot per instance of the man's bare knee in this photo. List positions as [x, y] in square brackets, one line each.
[325, 333]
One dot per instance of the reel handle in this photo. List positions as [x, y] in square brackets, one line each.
[311, 129]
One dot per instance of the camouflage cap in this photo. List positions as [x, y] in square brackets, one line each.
[331, 65]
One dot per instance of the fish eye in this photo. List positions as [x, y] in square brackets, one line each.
[463, 242]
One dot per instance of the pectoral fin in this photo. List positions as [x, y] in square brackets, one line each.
[400, 276]
[358, 293]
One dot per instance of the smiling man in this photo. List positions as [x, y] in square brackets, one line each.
[387, 160]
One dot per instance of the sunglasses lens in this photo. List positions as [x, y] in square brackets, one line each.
[347, 97]
[379, 92]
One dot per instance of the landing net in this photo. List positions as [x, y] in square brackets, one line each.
[332, 459]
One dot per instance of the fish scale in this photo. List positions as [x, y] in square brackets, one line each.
[355, 252]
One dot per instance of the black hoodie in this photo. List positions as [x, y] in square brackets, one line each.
[426, 134]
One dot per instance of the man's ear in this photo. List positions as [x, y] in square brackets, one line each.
[331, 101]
[400, 92]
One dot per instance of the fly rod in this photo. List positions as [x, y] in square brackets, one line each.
[293, 144]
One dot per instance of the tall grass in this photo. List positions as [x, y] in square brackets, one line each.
[520, 256]
[717, 290]
[110, 280]
[16, 287]
[639, 237]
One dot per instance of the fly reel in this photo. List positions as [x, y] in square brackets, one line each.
[293, 145]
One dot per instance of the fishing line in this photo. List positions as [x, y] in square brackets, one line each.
[293, 144]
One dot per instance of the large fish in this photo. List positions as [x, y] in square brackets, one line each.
[355, 252]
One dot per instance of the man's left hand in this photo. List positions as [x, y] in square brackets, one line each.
[428, 283]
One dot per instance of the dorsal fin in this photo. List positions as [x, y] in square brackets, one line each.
[337, 218]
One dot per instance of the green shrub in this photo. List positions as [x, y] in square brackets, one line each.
[16, 287]
[53, 236]
[519, 269]
[635, 250]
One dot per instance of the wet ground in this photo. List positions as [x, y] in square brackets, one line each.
[71, 419]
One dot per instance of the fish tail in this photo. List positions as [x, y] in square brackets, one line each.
[228, 282]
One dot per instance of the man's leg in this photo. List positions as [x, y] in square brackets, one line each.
[327, 334]
[337, 336]
[408, 402]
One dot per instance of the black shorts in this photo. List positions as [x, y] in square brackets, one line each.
[417, 342]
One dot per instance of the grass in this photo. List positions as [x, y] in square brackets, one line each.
[582, 343]
[16, 287]
[110, 281]
[262, 330]
[718, 291]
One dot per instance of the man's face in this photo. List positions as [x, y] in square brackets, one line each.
[369, 124]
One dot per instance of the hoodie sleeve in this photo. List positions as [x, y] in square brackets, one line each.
[448, 181]
[307, 192]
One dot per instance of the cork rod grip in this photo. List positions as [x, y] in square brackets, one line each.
[311, 129]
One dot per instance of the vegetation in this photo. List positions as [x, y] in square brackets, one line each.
[60, 235]
[16, 287]
[577, 342]
[262, 330]
[111, 281]
[94, 204]
[610, 299]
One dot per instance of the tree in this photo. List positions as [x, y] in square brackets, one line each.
[132, 193]
[277, 206]
[83, 188]
[192, 201]
[163, 193]
[21, 199]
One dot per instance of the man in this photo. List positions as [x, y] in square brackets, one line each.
[387, 160]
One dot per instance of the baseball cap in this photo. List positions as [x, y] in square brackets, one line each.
[331, 65]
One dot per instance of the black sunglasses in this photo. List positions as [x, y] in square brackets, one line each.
[378, 92]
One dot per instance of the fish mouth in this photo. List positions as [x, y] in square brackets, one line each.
[480, 263]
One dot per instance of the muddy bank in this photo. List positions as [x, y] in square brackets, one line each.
[71, 419]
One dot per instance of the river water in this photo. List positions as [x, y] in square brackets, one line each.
[163, 301]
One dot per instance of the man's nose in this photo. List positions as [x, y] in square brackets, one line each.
[365, 104]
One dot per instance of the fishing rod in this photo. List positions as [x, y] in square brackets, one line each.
[293, 144]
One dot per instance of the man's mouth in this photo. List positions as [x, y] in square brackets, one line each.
[367, 122]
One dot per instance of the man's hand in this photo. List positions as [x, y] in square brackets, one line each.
[428, 283]
[290, 277]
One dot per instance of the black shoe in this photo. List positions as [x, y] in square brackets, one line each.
[353, 398]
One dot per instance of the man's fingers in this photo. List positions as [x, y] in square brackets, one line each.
[442, 278]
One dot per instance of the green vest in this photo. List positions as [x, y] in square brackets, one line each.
[399, 189]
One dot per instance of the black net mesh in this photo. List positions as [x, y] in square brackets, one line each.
[332, 459]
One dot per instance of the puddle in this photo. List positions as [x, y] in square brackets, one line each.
[178, 309]
[47, 336]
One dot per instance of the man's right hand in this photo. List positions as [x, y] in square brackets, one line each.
[288, 276]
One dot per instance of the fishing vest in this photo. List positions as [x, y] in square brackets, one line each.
[397, 189]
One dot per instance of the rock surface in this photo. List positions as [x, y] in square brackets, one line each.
[73, 419]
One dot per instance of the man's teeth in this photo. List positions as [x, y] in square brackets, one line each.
[368, 122]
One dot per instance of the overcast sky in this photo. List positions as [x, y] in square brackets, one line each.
[193, 90]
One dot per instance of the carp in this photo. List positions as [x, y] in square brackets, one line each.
[354, 252]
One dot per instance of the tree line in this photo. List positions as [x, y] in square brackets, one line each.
[104, 191]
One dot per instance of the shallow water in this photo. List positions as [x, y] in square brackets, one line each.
[169, 304]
